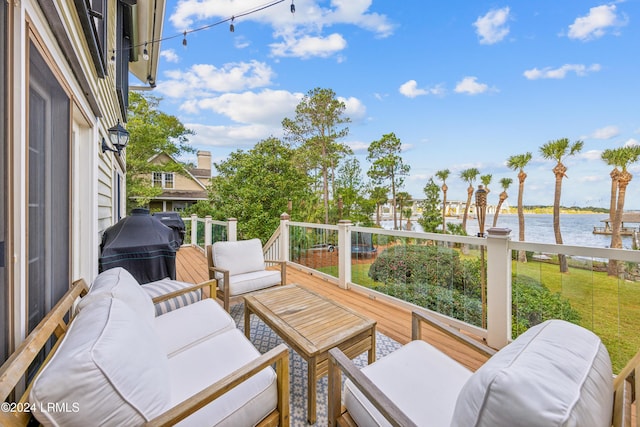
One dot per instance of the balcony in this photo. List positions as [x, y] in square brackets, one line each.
[491, 288]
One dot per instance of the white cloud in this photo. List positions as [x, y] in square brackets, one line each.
[596, 23]
[354, 108]
[590, 155]
[410, 89]
[169, 55]
[203, 79]
[492, 27]
[358, 146]
[631, 141]
[470, 86]
[561, 72]
[309, 46]
[236, 136]
[606, 132]
[267, 107]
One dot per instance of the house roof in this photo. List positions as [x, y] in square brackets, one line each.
[182, 195]
[187, 172]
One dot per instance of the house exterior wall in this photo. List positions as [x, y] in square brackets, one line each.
[96, 200]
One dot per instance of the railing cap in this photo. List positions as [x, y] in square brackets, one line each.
[284, 216]
[497, 231]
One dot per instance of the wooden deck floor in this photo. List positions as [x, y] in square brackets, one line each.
[392, 320]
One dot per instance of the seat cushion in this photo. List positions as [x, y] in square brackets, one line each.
[119, 283]
[165, 286]
[209, 361]
[180, 329]
[555, 374]
[249, 282]
[239, 257]
[110, 368]
[421, 380]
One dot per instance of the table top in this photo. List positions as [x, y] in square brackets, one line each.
[314, 322]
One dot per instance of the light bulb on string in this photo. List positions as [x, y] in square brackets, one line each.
[184, 40]
[145, 53]
[293, 7]
[231, 27]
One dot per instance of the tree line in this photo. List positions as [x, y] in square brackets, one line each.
[314, 177]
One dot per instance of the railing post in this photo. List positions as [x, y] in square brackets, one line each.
[232, 229]
[207, 231]
[344, 253]
[284, 237]
[194, 230]
[498, 287]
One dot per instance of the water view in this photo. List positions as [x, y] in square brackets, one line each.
[577, 229]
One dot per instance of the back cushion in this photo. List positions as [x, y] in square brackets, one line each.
[555, 374]
[119, 283]
[239, 257]
[110, 369]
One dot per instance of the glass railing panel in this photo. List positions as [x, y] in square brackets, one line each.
[585, 294]
[315, 247]
[442, 276]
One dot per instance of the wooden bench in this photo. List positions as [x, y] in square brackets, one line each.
[15, 389]
[624, 386]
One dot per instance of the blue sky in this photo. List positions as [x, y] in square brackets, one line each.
[461, 83]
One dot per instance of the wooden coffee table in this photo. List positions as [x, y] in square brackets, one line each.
[312, 324]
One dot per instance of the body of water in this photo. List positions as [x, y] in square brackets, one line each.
[576, 229]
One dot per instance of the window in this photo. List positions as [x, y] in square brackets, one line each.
[123, 54]
[93, 17]
[49, 177]
[163, 179]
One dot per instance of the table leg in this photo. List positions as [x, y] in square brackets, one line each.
[311, 390]
[372, 351]
[247, 321]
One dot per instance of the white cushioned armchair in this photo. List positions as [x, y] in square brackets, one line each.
[240, 268]
[555, 374]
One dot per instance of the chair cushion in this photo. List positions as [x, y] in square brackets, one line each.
[555, 374]
[421, 380]
[195, 368]
[163, 287]
[180, 329]
[239, 257]
[249, 282]
[110, 369]
[119, 283]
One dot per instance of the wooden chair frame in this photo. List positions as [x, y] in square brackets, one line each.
[13, 371]
[223, 294]
[626, 388]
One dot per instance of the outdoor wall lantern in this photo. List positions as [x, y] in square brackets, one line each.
[119, 138]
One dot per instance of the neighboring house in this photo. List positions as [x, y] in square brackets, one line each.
[64, 81]
[180, 189]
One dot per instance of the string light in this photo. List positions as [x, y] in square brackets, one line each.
[293, 7]
[145, 52]
[231, 27]
[184, 34]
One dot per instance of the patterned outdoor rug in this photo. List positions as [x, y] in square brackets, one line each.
[264, 339]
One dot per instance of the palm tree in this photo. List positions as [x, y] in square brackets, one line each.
[443, 175]
[468, 176]
[402, 198]
[380, 196]
[619, 157]
[559, 150]
[505, 183]
[519, 162]
[486, 180]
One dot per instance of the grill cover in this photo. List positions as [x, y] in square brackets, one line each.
[142, 245]
[175, 222]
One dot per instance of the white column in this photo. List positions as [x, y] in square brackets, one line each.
[344, 253]
[207, 231]
[232, 229]
[284, 237]
[194, 230]
[498, 287]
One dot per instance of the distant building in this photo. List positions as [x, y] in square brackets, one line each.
[180, 189]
